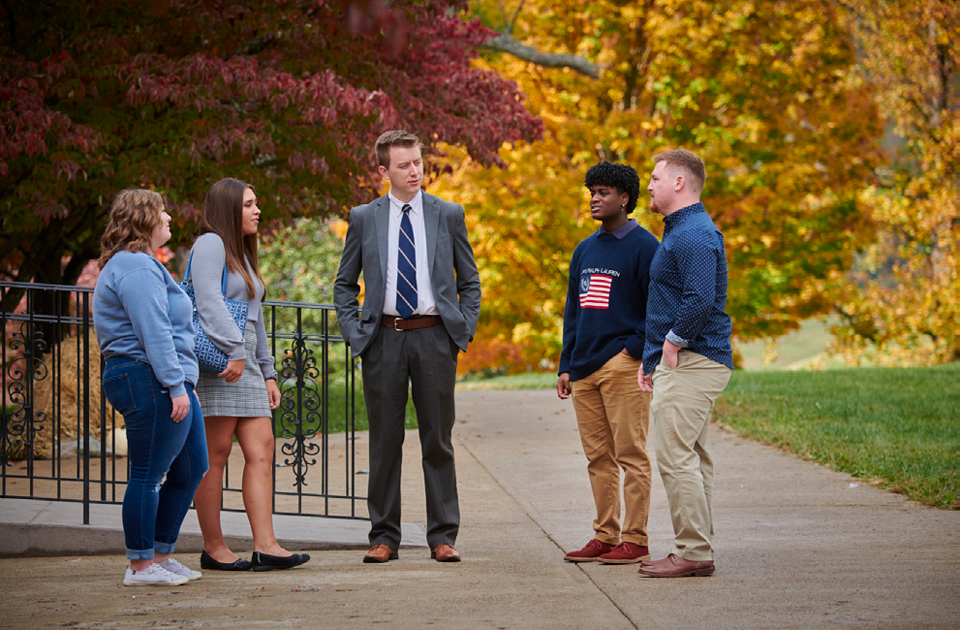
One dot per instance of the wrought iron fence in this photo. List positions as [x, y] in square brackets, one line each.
[60, 440]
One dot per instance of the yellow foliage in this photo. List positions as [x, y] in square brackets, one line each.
[765, 93]
[902, 306]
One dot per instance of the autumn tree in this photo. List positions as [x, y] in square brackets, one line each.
[175, 94]
[902, 304]
[764, 92]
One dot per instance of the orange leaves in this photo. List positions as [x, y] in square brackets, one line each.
[766, 93]
[902, 305]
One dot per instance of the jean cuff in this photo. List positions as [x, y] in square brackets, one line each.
[160, 547]
[139, 554]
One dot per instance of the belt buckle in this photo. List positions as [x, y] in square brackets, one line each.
[396, 324]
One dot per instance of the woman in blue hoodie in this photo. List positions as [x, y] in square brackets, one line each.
[143, 321]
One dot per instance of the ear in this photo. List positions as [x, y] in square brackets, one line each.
[383, 172]
[624, 199]
[681, 182]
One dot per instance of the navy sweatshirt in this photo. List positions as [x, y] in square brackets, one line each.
[606, 298]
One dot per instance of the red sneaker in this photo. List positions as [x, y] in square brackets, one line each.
[625, 553]
[590, 552]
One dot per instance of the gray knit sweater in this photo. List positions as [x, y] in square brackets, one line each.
[206, 272]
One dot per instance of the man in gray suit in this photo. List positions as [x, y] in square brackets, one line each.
[421, 304]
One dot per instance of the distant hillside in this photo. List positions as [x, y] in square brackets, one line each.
[797, 350]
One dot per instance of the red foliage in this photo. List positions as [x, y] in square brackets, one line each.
[492, 354]
[175, 94]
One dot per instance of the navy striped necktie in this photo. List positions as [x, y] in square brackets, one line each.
[406, 267]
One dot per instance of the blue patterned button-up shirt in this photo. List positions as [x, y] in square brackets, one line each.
[688, 290]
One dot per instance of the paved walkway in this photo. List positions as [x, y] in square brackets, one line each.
[798, 546]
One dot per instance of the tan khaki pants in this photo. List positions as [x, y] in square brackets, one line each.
[683, 399]
[613, 416]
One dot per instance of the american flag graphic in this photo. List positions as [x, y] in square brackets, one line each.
[595, 291]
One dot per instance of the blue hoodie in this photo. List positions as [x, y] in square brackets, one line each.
[139, 311]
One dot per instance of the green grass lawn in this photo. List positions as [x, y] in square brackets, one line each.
[894, 427]
[337, 409]
[531, 380]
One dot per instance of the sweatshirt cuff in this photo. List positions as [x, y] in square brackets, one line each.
[237, 354]
[179, 390]
[634, 346]
[677, 341]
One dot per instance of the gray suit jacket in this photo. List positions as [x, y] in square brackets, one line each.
[453, 271]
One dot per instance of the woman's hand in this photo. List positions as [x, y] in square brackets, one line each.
[181, 406]
[233, 372]
[273, 393]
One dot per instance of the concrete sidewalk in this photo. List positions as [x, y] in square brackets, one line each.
[798, 546]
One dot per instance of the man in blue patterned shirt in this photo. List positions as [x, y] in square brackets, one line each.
[687, 357]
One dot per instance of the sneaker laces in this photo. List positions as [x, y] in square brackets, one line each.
[161, 571]
[172, 566]
[155, 569]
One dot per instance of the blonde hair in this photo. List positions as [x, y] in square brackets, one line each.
[687, 161]
[133, 217]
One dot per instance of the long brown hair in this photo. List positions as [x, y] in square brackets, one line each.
[134, 215]
[223, 215]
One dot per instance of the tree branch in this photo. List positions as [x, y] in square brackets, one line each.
[506, 43]
[852, 323]
[508, 30]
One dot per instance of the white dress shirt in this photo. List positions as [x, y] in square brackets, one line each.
[426, 304]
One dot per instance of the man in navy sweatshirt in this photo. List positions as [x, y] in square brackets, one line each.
[603, 340]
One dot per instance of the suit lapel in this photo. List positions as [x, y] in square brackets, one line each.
[382, 215]
[431, 224]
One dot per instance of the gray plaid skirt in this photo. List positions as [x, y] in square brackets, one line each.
[247, 398]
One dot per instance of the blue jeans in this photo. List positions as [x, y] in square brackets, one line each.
[154, 509]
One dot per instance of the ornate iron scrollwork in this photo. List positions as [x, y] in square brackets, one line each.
[19, 423]
[299, 415]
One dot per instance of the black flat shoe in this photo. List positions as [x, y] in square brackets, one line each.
[240, 564]
[266, 562]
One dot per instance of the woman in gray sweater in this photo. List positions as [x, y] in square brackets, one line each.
[238, 401]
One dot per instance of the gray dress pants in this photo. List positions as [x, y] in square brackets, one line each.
[423, 361]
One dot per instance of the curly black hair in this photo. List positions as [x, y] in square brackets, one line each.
[619, 176]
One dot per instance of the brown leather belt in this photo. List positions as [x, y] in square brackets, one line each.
[412, 323]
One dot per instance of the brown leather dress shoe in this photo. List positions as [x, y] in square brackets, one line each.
[445, 553]
[380, 553]
[674, 566]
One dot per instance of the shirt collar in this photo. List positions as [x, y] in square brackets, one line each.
[396, 206]
[683, 213]
[621, 231]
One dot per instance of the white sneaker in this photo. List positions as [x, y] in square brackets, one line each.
[154, 575]
[176, 568]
